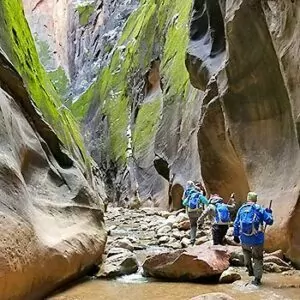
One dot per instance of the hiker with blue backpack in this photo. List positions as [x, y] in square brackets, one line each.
[194, 202]
[219, 213]
[249, 227]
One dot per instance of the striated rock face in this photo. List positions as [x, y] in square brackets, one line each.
[51, 214]
[74, 38]
[201, 90]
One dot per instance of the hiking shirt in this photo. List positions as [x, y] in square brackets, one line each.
[210, 211]
[262, 217]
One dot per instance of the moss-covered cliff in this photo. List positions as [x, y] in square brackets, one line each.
[16, 40]
[51, 211]
[197, 90]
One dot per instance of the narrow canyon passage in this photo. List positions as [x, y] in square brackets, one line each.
[146, 233]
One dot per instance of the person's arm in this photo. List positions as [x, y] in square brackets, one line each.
[205, 213]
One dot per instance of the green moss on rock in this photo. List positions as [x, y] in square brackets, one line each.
[85, 11]
[156, 26]
[60, 81]
[18, 43]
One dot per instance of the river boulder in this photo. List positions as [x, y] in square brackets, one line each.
[124, 263]
[190, 264]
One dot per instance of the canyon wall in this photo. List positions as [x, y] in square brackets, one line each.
[201, 90]
[51, 209]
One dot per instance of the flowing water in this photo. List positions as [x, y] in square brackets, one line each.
[135, 287]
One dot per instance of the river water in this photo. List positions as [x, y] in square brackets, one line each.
[135, 287]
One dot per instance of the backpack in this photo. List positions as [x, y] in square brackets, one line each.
[222, 213]
[193, 200]
[248, 219]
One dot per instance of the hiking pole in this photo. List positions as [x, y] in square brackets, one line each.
[270, 206]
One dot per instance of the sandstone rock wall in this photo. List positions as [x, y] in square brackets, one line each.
[51, 213]
[201, 90]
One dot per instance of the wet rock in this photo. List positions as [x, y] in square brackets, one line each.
[271, 267]
[163, 230]
[213, 296]
[117, 265]
[229, 276]
[185, 242]
[189, 264]
[123, 243]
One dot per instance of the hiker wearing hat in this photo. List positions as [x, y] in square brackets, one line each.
[219, 213]
[249, 230]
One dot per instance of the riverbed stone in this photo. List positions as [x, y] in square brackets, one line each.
[213, 296]
[189, 264]
[185, 225]
[164, 239]
[116, 251]
[229, 276]
[118, 265]
[276, 260]
[123, 243]
[165, 229]
[185, 242]
[271, 267]
[278, 253]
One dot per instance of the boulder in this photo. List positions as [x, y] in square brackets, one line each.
[271, 267]
[276, 260]
[201, 240]
[123, 243]
[181, 218]
[278, 253]
[185, 225]
[229, 276]
[117, 265]
[190, 264]
[185, 242]
[163, 240]
[116, 251]
[213, 296]
[163, 230]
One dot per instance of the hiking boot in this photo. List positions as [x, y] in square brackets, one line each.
[192, 243]
[256, 281]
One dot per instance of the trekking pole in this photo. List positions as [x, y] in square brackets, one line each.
[270, 206]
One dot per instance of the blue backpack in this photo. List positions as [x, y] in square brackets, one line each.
[193, 200]
[249, 219]
[222, 213]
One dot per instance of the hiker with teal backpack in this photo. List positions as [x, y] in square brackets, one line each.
[194, 202]
[249, 229]
[219, 214]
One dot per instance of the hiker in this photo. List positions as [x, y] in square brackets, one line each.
[194, 202]
[219, 213]
[249, 230]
